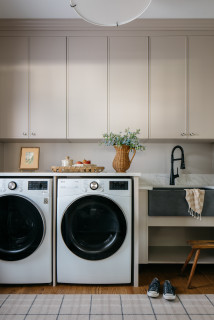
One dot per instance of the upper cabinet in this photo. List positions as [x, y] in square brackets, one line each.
[13, 87]
[128, 84]
[92, 84]
[47, 88]
[87, 87]
[201, 87]
[167, 87]
[33, 87]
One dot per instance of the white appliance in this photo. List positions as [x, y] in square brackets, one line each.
[94, 231]
[25, 230]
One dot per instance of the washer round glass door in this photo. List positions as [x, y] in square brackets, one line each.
[22, 227]
[93, 227]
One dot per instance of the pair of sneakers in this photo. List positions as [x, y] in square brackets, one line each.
[168, 289]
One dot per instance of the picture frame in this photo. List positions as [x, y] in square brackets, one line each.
[29, 158]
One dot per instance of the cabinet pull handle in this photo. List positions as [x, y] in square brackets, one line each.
[192, 134]
[24, 133]
[183, 134]
[33, 134]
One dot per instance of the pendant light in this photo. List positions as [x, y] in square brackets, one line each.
[109, 12]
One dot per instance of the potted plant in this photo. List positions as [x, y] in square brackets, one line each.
[123, 144]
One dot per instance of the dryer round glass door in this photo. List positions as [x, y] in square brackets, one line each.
[93, 227]
[22, 227]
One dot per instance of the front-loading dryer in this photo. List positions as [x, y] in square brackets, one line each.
[25, 230]
[94, 231]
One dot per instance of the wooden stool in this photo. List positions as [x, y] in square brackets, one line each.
[196, 245]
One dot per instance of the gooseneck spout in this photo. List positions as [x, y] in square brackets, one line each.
[172, 175]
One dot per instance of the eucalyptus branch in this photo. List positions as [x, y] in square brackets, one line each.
[128, 138]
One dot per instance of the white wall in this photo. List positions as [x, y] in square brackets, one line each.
[155, 159]
[1, 157]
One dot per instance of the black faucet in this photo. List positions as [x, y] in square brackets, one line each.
[172, 175]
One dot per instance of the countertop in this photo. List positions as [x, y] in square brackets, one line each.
[67, 174]
[150, 181]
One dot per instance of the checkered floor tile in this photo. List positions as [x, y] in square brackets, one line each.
[105, 307]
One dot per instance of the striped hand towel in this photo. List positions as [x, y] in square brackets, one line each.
[195, 200]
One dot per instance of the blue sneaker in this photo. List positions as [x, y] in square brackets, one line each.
[154, 288]
[168, 291]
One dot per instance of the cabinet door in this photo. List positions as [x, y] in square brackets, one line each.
[167, 87]
[201, 87]
[87, 87]
[13, 87]
[47, 87]
[128, 84]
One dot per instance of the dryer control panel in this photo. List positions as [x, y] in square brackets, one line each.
[119, 187]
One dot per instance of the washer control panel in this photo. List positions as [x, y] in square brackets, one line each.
[9, 185]
[37, 185]
[27, 186]
[118, 185]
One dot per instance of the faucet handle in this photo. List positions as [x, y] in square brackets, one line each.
[176, 175]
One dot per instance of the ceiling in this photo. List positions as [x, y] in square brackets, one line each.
[60, 9]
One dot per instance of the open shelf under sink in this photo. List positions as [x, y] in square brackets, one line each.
[177, 254]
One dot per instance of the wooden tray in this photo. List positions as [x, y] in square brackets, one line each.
[84, 168]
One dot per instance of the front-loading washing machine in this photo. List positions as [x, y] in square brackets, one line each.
[25, 230]
[94, 231]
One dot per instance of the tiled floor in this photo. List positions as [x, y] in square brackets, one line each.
[105, 307]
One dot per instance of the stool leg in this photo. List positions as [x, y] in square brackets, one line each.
[187, 260]
[193, 268]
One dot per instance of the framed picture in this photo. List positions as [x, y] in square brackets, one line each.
[29, 159]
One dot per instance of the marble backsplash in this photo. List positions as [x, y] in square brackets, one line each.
[184, 180]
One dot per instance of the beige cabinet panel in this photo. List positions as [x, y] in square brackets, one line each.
[128, 84]
[87, 87]
[47, 87]
[13, 87]
[167, 87]
[201, 87]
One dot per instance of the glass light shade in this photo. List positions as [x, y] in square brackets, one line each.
[110, 12]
